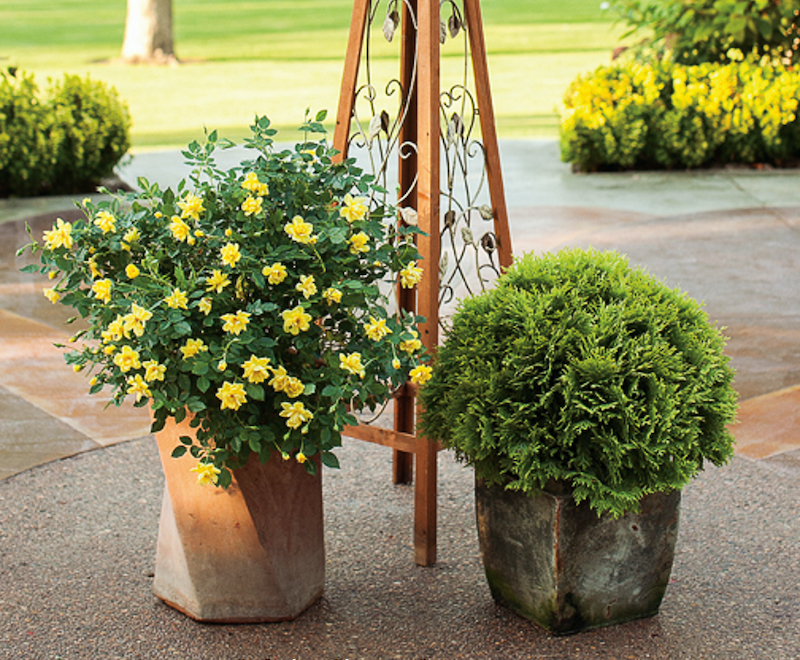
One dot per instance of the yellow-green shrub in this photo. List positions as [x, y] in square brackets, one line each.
[665, 115]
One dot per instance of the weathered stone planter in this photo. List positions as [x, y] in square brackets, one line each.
[251, 553]
[561, 566]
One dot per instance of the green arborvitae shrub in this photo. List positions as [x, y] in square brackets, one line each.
[579, 368]
[88, 133]
[25, 155]
[665, 115]
[63, 142]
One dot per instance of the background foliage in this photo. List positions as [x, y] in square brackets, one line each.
[62, 141]
[580, 368]
[666, 115]
[698, 31]
[278, 57]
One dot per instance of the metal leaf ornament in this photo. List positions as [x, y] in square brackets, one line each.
[454, 23]
[390, 24]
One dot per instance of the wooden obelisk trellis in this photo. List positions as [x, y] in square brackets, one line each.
[420, 186]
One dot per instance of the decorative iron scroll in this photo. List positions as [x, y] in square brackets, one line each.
[468, 262]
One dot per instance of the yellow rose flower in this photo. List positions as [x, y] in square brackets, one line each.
[153, 370]
[279, 379]
[127, 359]
[137, 386]
[411, 275]
[180, 230]
[51, 295]
[300, 231]
[217, 282]
[294, 388]
[94, 271]
[376, 329]
[411, 346]
[135, 321]
[235, 323]
[191, 206]
[396, 363]
[59, 236]
[301, 457]
[257, 369]
[204, 305]
[421, 374]
[354, 208]
[231, 395]
[206, 474]
[252, 206]
[102, 290]
[105, 221]
[295, 414]
[352, 364]
[275, 273]
[132, 235]
[358, 243]
[253, 185]
[192, 347]
[114, 331]
[332, 295]
[230, 254]
[306, 286]
[132, 271]
[177, 299]
[296, 320]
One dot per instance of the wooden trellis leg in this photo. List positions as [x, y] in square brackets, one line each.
[347, 95]
[404, 412]
[420, 188]
[428, 190]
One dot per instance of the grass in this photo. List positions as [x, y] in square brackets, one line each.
[279, 57]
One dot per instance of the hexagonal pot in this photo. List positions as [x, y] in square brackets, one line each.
[565, 568]
[250, 553]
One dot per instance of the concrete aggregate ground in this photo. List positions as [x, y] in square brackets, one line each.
[77, 543]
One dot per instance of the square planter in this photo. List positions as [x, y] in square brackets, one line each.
[565, 568]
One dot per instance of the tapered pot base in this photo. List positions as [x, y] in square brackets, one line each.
[253, 552]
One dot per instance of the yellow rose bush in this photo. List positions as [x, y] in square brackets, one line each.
[254, 299]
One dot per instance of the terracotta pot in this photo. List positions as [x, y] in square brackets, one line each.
[565, 568]
[251, 553]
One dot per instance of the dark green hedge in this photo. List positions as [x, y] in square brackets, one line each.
[63, 142]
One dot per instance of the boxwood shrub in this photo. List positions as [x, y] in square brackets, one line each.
[664, 115]
[579, 368]
[64, 141]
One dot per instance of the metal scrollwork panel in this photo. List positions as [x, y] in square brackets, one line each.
[382, 101]
[468, 261]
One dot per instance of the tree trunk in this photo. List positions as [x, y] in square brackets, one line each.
[148, 32]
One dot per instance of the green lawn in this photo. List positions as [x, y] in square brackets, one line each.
[279, 57]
